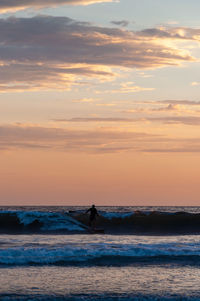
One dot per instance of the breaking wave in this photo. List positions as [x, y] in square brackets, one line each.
[37, 222]
[133, 222]
[102, 254]
[152, 222]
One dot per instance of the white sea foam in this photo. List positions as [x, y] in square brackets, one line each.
[68, 251]
[111, 215]
[49, 220]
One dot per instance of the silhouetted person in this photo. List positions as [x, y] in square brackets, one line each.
[92, 218]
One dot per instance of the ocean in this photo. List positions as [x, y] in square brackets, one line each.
[145, 253]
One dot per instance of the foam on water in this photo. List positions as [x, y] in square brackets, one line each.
[111, 215]
[49, 221]
[104, 250]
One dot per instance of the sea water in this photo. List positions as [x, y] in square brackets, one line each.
[47, 263]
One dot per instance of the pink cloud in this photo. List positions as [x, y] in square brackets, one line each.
[14, 5]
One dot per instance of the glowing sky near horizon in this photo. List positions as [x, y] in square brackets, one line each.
[99, 102]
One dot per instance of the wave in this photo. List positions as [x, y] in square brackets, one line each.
[137, 222]
[151, 222]
[37, 222]
[100, 255]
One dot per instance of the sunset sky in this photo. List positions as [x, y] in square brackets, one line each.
[100, 102]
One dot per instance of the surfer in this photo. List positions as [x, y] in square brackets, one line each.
[93, 215]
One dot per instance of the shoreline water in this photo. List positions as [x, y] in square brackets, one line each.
[48, 266]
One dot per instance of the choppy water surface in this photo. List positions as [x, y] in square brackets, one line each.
[75, 265]
[94, 283]
[97, 250]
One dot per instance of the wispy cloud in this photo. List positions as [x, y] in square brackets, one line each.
[84, 100]
[195, 84]
[183, 107]
[96, 119]
[187, 120]
[122, 23]
[178, 33]
[169, 107]
[183, 149]
[14, 5]
[46, 52]
[106, 104]
[42, 76]
[180, 102]
[96, 140]
[172, 119]
[130, 87]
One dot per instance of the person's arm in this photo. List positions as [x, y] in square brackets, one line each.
[88, 210]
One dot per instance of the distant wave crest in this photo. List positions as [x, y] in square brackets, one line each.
[100, 254]
[137, 222]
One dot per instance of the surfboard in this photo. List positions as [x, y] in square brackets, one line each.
[96, 231]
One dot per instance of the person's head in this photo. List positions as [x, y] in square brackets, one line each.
[93, 206]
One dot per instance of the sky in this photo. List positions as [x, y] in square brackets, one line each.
[100, 102]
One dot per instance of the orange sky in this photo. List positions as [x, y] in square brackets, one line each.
[134, 179]
[99, 102]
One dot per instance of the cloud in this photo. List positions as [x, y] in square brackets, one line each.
[159, 107]
[186, 102]
[180, 102]
[185, 107]
[169, 107]
[144, 75]
[195, 84]
[130, 87]
[47, 52]
[106, 104]
[18, 77]
[171, 22]
[178, 33]
[14, 5]
[95, 140]
[84, 100]
[174, 150]
[187, 120]
[122, 23]
[96, 119]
